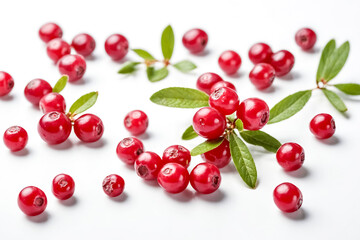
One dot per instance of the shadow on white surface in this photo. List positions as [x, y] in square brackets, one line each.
[202, 54]
[42, 218]
[314, 50]
[184, 196]
[7, 98]
[236, 75]
[299, 215]
[230, 168]
[122, 198]
[98, 144]
[270, 89]
[69, 202]
[82, 81]
[290, 76]
[23, 153]
[330, 141]
[300, 173]
[214, 197]
[151, 183]
[92, 57]
[62, 146]
[144, 136]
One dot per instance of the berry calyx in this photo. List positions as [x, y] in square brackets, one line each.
[305, 38]
[6, 83]
[220, 156]
[72, 65]
[116, 46]
[54, 127]
[32, 201]
[57, 48]
[287, 197]
[254, 113]
[52, 102]
[230, 62]
[207, 80]
[63, 186]
[84, 44]
[323, 126]
[222, 84]
[177, 154]
[195, 40]
[129, 149]
[262, 75]
[36, 89]
[205, 178]
[148, 165]
[282, 61]
[173, 178]
[209, 123]
[260, 53]
[50, 31]
[290, 156]
[89, 128]
[15, 138]
[136, 122]
[225, 100]
[113, 185]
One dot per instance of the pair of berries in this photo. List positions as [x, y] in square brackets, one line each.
[6, 83]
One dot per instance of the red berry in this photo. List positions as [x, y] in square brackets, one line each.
[177, 154]
[222, 84]
[290, 156]
[63, 186]
[207, 80]
[113, 185]
[54, 127]
[36, 89]
[254, 113]
[220, 156]
[209, 123]
[116, 46]
[148, 165]
[305, 38]
[136, 122]
[282, 61]
[84, 44]
[173, 178]
[205, 178]
[129, 149]
[6, 83]
[89, 128]
[225, 100]
[52, 102]
[287, 197]
[262, 75]
[15, 138]
[32, 201]
[50, 31]
[229, 62]
[195, 40]
[323, 126]
[57, 48]
[260, 53]
[72, 65]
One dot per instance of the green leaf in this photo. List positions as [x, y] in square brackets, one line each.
[335, 100]
[83, 103]
[167, 42]
[179, 97]
[336, 61]
[206, 146]
[239, 125]
[349, 88]
[156, 75]
[143, 54]
[260, 138]
[231, 117]
[185, 66]
[189, 133]
[326, 53]
[243, 160]
[289, 106]
[128, 67]
[60, 84]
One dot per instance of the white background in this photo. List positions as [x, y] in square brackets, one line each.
[329, 179]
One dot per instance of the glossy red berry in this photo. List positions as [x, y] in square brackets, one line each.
[74, 66]
[148, 165]
[287, 197]
[50, 31]
[323, 126]
[136, 122]
[6, 83]
[305, 38]
[15, 138]
[207, 80]
[129, 149]
[177, 154]
[290, 156]
[254, 113]
[63, 186]
[282, 61]
[32, 201]
[222, 84]
[116, 46]
[113, 185]
[230, 62]
[89, 128]
[57, 48]
[173, 178]
[54, 127]
[195, 40]
[205, 178]
[262, 75]
[84, 44]
[36, 89]
[260, 53]
[225, 100]
[220, 156]
[52, 102]
[209, 123]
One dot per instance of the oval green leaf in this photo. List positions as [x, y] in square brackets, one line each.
[185, 66]
[262, 139]
[156, 75]
[239, 125]
[349, 88]
[189, 133]
[143, 54]
[206, 146]
[327, 51]
[83, 103]
[60, 84]
[167, 42]
[128, 67]
[336, 61]
[335, 100]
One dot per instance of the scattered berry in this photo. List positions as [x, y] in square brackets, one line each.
[32, 201]
[288, 197]
[262, 75]
[177, 154]
[323, 126]
[173, 178]
[6, 83]
[195, 40]
[84, 44]
[305, 38]
[54, 127]
[89, 128]
[222, 84]
[209, 123]
[63, 186]
[148, 165]
[229, 62]
[129, 149]
[36, 89]
[136, 122]
[205, 178]
[225, 100]
[15, 138]
[290, 156]
[282, 61]
[207, 80]
[254, 113]
[57, 48]
[260, 53]
[116, 46]
[72, 65]
[113, 185]
[52, 102]
[50, 31]
[220, 156]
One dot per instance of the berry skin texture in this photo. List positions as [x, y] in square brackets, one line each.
[220, 156]
[15, 138]
[323, 126]
[57, 48]
[305, 38]
[195, 40]
[116, 46]
[206, 81]
[177, 154]
[63, 186]
[173, 178]
[50, 31]
[148, 165]
[287, 197]
[113, 185]
[260, 53]
[262, 75]
[72, 65]
[84, 44]
[282, 61]
[6, 83]
[54, 128]
[32, 201]
[254, 113]
[209, 123]
[52, 102]
[290, 156]
[136, 122]
[89, 128]
[225, 100]
[222, 84]
[129, 149]
[230, 62]
[36, 89]
[205, 178]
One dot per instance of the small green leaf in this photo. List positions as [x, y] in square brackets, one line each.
[336, 61]
[60, 84]
[260, 138]
[143, 54]
[83, 103]
[243, 160]
[185, 66]
[156, 75]
[179, 97]
[167, 42]
[231, 117]
[206, 146]
[349, 88]
[326, 53]
[335, 100]
[128, 67]
[289, 106]
[189, 133]
[239, 125]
